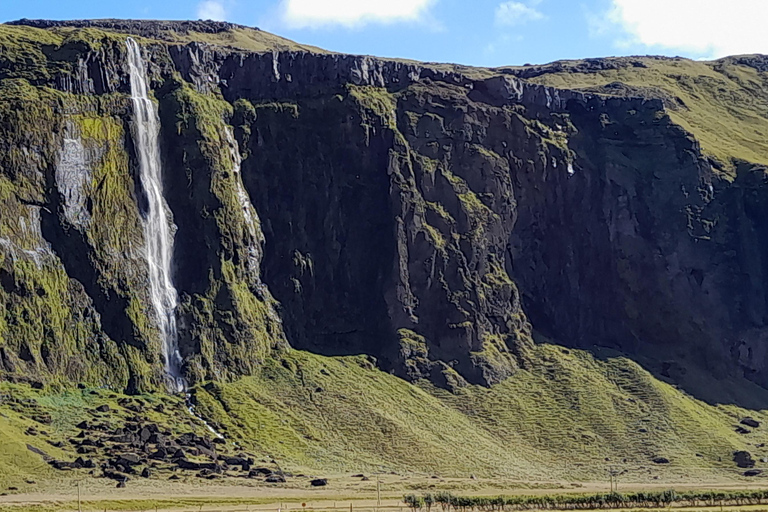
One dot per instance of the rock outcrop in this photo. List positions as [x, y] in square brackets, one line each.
[430, 217]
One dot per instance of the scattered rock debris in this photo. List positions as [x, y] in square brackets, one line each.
[142, 448]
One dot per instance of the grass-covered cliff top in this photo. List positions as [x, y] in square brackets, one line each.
[212, 32]
[723, 103]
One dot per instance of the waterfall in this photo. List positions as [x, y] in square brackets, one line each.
[158, 228]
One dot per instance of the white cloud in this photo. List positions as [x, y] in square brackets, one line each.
[501, 43]
[712, 28]
[351, 13]
[211, 10]
[516, 13]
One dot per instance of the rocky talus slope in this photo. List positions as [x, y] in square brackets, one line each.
[435, 222]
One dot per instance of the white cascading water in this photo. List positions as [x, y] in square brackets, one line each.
[157, 223]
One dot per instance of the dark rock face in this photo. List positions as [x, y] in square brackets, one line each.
[425, 217]
[386, 252]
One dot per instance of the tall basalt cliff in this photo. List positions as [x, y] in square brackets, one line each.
[433, 218]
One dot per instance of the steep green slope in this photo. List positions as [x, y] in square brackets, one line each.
[567, 416]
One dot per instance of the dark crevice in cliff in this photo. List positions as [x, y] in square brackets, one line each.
[189, 199]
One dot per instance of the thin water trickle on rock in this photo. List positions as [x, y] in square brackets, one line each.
[157, 223]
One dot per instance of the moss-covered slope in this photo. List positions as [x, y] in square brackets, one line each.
[566, 418]
[561, 418]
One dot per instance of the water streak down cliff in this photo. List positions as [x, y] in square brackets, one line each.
[157, 223]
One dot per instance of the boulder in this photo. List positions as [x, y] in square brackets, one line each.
[187, 439]
[156, 438]
[743, 459]
[40, 452]
[159, 454]
[128, 459]
[83, 463]
[195, 466]
[660, 460]
[750, 422]
[114, 475]
[61, 465]
[43, 418]
[203, 450]
[319, 482]
[144, 434]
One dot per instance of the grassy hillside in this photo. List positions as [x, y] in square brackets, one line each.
[723, 103]
[570, 417]
[567, 417]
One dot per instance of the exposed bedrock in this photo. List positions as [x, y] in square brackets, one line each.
[430, 218]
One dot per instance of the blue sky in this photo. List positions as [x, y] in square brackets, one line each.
[476, 32]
